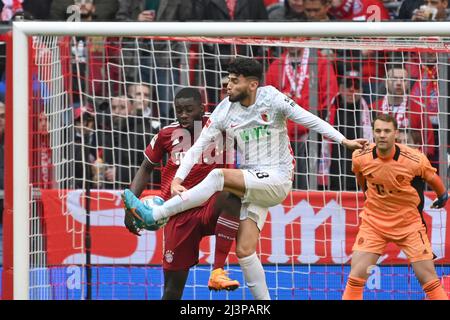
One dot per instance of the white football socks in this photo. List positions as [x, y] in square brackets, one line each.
[255, 277]
[192, 198]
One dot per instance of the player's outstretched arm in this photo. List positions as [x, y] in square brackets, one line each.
[194, 155]
[441, 192]
[355, 143]
[301, 116]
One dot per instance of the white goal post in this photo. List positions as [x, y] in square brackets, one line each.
[23, 30]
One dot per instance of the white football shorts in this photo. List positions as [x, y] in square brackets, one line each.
[265, 188]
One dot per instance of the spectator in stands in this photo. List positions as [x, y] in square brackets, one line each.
[140, 96]
[99, 10]
[238, 10]
[9, 8]
[369, 62]
[42, 163]
[425, 92]
[406, 109]
[28, 9]
[270, 3]
[157, 55]
[372, 63]
[359, 10]
[435, 10]
[392, 7]
[90, 55]
[407, 9]
[114, 140]
[317, 10]
[162, 10]
[217, 57]
[120, 108]
[288, 10]
[39, 10]
[353, 119]
[85, 144]
[405, 137]
[142, 125]
[291, 74]
[110, 154]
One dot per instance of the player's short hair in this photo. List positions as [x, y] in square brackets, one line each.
[187, 93]
[247, 67]
[386, 118]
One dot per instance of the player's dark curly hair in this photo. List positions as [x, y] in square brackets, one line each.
[187, 93]
[247, 67]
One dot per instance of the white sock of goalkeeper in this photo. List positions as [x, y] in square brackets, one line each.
[255, 277]
[192, 198]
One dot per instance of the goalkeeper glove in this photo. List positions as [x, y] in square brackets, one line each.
[440, 201]
[133, 225]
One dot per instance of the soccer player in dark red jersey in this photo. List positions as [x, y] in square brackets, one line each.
[182, 233]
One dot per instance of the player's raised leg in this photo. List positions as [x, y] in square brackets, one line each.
[231, 180]
[361, 261]
[428, 279]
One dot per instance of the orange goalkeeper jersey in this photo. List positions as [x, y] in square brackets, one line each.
[395, 185]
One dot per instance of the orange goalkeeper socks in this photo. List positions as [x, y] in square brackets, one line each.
[434, 290]
[354, 289]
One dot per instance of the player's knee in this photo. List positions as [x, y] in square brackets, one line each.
[215, 173]
[245, 250]
[215, 177]
[360, 271]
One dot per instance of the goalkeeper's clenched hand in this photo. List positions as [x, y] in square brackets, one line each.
[440, 201]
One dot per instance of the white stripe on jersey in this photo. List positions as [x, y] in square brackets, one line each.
[172, 125]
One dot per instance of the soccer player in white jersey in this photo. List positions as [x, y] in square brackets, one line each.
[255, 117]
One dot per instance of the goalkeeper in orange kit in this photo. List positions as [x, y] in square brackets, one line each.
[393, 178]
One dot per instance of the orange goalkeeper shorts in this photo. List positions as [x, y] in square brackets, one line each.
[414, 244]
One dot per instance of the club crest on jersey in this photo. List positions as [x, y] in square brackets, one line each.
[168, 256]
[265, 116]
[208, 123]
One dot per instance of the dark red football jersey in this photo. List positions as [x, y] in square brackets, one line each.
[174, 141]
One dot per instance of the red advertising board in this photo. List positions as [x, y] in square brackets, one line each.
[310, 227]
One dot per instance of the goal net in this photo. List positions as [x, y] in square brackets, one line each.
[96, 101]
